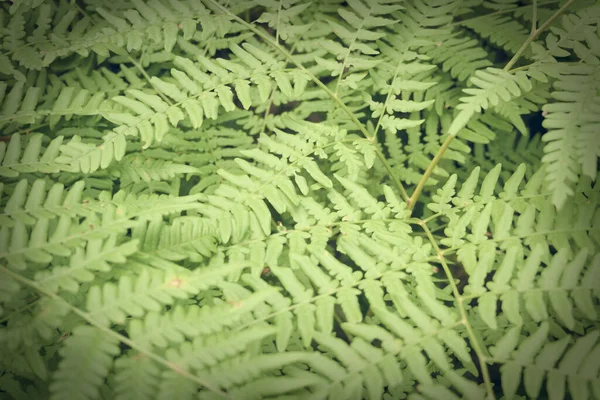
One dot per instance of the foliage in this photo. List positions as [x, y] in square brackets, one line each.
[209, 199]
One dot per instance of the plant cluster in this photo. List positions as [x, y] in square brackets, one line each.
[336, 199]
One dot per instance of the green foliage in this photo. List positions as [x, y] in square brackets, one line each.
[210, 199]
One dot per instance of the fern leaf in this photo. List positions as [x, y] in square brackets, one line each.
[494, 85]
[135, 168]
[570, 150]
[95, 257]
[135, 377]
[547, 355]
[86, 158]
[31, 158]
[83, 369]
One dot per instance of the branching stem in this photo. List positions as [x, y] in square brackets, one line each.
[465, 320]
[499, 12]
[436, 159]
[148, 79]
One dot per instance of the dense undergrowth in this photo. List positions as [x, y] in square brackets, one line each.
[299, 200]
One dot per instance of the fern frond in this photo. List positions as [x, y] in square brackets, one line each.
[39, 240]
[494, 86]
[28, 204]
[459, 55]
[567, 365]
[85, 157]
[569, 291]
[25, 107]
[208, 149]
[29, 157]
[29, 37]
[83, 369]
[135, 377]
[39, 325]
[101, 32]
[148, 292]
[571, 148]
[188, 237]
[281, 20]
[135, 168]
[364, 25]
[502, 30]
[84, 262]
[100, 80]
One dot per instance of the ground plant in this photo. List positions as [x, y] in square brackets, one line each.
[262, 199]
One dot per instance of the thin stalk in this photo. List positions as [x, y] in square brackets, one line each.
[499, 12]
[465, 321]
[147, 77]
[350, 46]
[19, 311]
[32, 128]
[270, 102]
[278, 22]
[267, 38]
[86, 316]
[389, 96]
[267, 110]
[436, 159]
[534, 17]
[535, 33]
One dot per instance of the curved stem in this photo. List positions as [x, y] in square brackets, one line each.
[534, 17]
[465, 321]
[148, 78]
[350, 46]
[503, 11]
[436, 159]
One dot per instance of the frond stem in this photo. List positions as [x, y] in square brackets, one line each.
[535, 33]
[19, 311]
[389, 96]
[498, 12]
[31, 128]
[86, 316]
[534, 16]
[267, 111]
[465, 321]
[278, 22]
[344, 63]
[436, 159]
